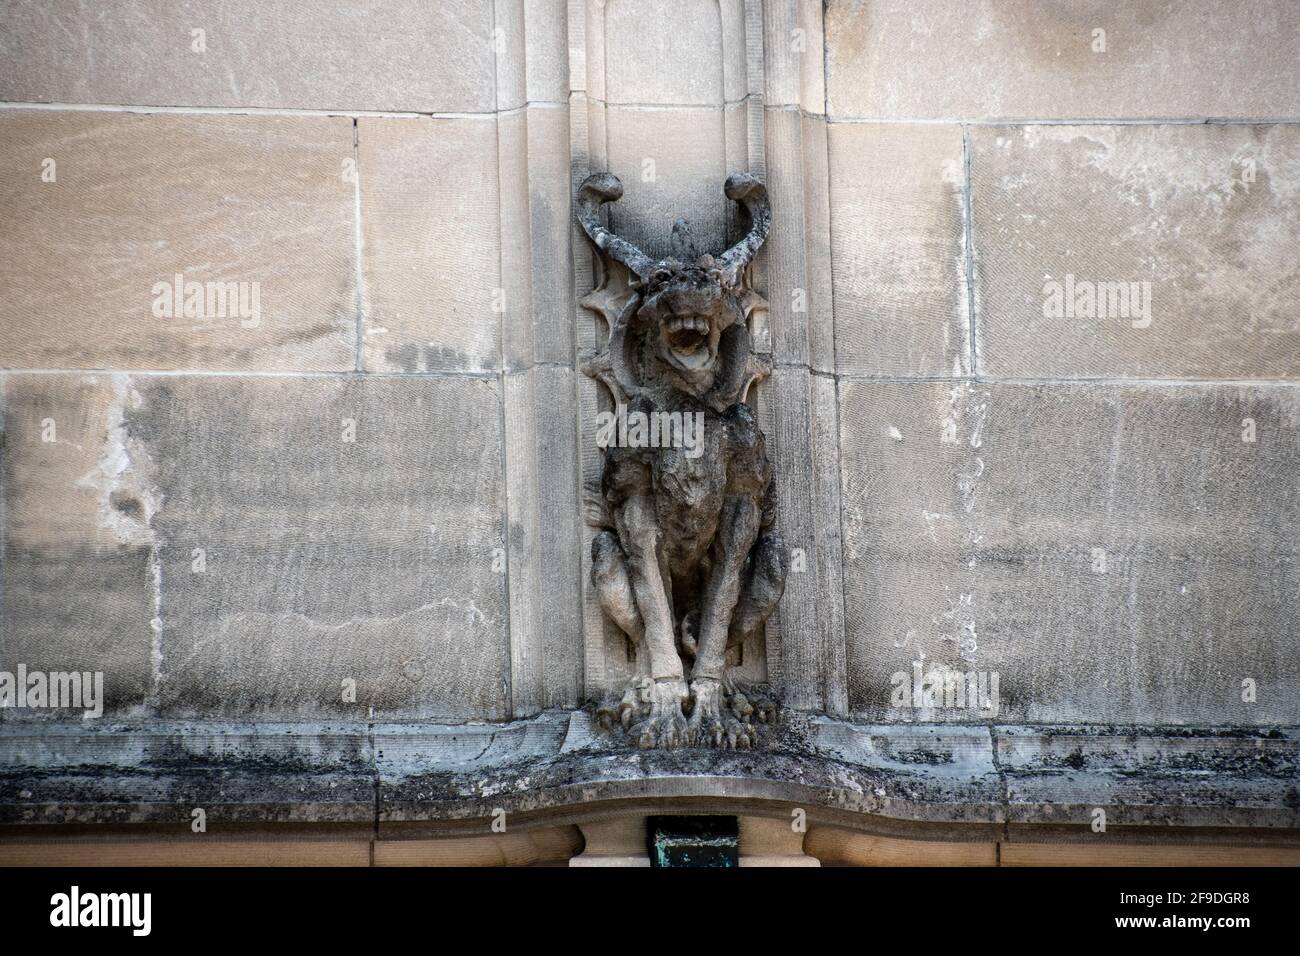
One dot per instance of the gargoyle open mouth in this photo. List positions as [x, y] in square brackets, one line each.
[688, 339]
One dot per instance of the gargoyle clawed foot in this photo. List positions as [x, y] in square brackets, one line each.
[714, 722]
[664, 715]
[665, 724]
[650, 712]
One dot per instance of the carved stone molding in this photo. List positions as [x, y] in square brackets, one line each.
[936, 781]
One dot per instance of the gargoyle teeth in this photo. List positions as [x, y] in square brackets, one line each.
[683, 323]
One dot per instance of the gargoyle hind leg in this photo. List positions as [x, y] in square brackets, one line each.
[763, 587]
[737, 531]
[613, 585]
[638, 533]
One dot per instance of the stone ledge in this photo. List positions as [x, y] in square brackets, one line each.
[927, 781]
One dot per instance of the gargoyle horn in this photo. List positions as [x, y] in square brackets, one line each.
[743, 188]
[602, 188]
[752, 194]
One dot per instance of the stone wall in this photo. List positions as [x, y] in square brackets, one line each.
[1099, 506]
[376, 475]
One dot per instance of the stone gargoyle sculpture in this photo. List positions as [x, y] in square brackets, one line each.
[687, 562]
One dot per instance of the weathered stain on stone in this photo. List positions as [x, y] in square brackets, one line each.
[122, 478]
[378, 550]
[80, 503]
[1176, 274]
[1075, 570]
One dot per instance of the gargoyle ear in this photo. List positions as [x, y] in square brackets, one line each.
[596, 190]
[752, 194]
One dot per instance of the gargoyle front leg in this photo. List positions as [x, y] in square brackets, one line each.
[737, 530]
[639, 533]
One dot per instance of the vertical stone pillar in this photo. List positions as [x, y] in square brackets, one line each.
[537, 356]
[799, 404]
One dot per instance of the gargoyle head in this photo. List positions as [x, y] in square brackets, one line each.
[687, 301]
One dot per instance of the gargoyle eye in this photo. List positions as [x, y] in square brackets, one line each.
[661, 275]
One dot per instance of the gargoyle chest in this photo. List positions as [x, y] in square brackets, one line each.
[687, 487]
